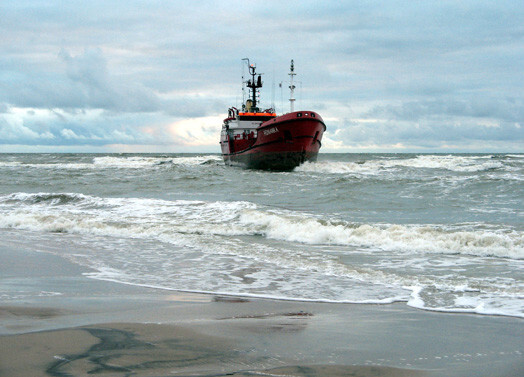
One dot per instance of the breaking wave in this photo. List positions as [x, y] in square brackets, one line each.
[146, 162]
[407, 238]
[462, 164]
[241, 248]
[51, 199]
[132, 217]
[112, 162]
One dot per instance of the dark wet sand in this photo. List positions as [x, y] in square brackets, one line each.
[56, 322]
[147, 350]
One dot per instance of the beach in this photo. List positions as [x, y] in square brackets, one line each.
[281, 189]
[66, 324]
[177, 265]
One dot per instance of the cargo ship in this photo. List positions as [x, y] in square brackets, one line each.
[259, 139]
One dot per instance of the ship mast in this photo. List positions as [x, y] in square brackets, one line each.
[292, 87]
[253, 85]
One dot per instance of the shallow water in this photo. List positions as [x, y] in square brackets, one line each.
[439, 232]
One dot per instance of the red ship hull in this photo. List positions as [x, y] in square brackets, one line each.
[281, 143]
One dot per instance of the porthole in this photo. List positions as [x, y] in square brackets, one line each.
[299, 115]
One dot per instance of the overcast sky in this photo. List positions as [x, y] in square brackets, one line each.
[159, 76]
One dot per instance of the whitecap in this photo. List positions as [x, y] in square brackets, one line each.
[453, 163]
[140, 162]
[411, 238]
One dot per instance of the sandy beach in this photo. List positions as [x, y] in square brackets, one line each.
[55, 321]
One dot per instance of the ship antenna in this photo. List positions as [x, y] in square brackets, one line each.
[273, 90]
[292, 87]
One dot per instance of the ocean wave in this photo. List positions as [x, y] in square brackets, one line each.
[240, 248]
[429, 238]
[46, 198]
[339, 167]
[140, 162]
[463, 164]
[10, 164]
[136, 217]
[514, 155]
[112, 162]
[120, 217]
[56, 165]
[452, 163]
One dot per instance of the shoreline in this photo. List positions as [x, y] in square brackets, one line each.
[60, 322]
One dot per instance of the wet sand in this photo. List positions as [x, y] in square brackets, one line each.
[54, 321]
[148, 350]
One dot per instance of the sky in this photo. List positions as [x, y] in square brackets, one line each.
[159, 76]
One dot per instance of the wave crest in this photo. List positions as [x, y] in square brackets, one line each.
[139, 162]
[408, 238]
[44, 198]
[135, 217]
[462, 164]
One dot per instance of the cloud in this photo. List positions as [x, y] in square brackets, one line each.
[466, 133]
[12, 130]
[196, 131]
[70, 134]
[509, 109]
[383, 74]
[46, 127]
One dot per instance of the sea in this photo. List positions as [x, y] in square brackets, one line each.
[437, 232]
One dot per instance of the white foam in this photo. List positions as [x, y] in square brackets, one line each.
[477, 303]
[415, 299]
[450, 162]
[227, 247]
[339, 167]
[140, 162]
[112, 162]
[66, 166]
[198, 160]
[377, 166]
[10, 164]
[72, 212]
[120, 217]
[412, 238]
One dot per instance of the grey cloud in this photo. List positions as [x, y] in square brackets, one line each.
[423, 69]
[502, 109]
[426, 134]
[12, 133]
[97, 88]
[77, 82]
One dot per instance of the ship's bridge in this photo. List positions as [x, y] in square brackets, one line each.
[247, 119]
